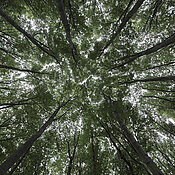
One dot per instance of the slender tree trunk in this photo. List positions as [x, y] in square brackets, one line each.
[71, 157]
[129, 167]
[161, 98]
[123, 24]
[161, 65]
[160, 90]
[16, 156]
[137, 147]
[168, 78]
[93, 154]
[61, 9]
[40, 45]
[18, 69]
[153, 49]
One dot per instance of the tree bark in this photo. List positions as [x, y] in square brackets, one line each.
[16, 156]
[61, 9]
[162, 65]
[93, 154]
[137, 147]
[153, 49]
[168, 78]
[122, 156]
[165, 99]
[21, 70]
[32, 39]
[123, 24]
[160, 90]
[71, 157]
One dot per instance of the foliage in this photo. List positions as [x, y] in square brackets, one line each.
[87, 51]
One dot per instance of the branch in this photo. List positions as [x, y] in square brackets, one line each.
[149, 96]
[167, 64]
[61, 9]
[123, 24]
[21, 70]
[168, 78]
[24, 148]
[135, 144]
[32, 39]
[160, 90]
[153, 49]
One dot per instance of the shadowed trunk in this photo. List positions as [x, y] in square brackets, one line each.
[137, 147]
[21, 151]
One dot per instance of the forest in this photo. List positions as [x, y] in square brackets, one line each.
[87, 87]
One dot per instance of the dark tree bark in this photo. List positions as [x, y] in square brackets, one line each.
[62, 12]
[162, 65]
[71, 156]
[123, 24]
[153, 49]
[161, 98]
[23, 149]
[161, 106]
[40, 45]
[137, 147]
[159, 90]
[94, 161]
[114, 139]
[21, 70]
[129, 167]
[18, 103]
[168, 78]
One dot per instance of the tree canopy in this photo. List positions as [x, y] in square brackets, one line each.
[87, 87]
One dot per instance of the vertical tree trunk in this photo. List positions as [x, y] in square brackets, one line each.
[71, 157]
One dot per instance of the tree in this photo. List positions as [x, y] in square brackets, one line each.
[106, 68]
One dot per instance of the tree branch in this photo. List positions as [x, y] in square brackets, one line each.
[32, 39]
[153, 49]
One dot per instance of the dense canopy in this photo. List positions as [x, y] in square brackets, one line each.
[87, 87]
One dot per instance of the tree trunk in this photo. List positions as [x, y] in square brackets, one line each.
[40, 45]
[15, 157]
[168, 78]
[137, 147]
[153, 49]
[124, 22]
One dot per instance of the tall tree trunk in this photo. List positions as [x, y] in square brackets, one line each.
[168, 78]
[71, 157]
[153, 49]
[137, 147]
[93, 154]
[123, 23]
[129, 167]
[40, 45]
[61, 9]
[15, 157]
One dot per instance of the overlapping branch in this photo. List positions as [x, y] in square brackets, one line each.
[61, 9]
[21, 151]
[153, 49]
[40, 45]
[151, 79]
[123, 24]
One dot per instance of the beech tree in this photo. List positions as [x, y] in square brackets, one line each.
[87, 87]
